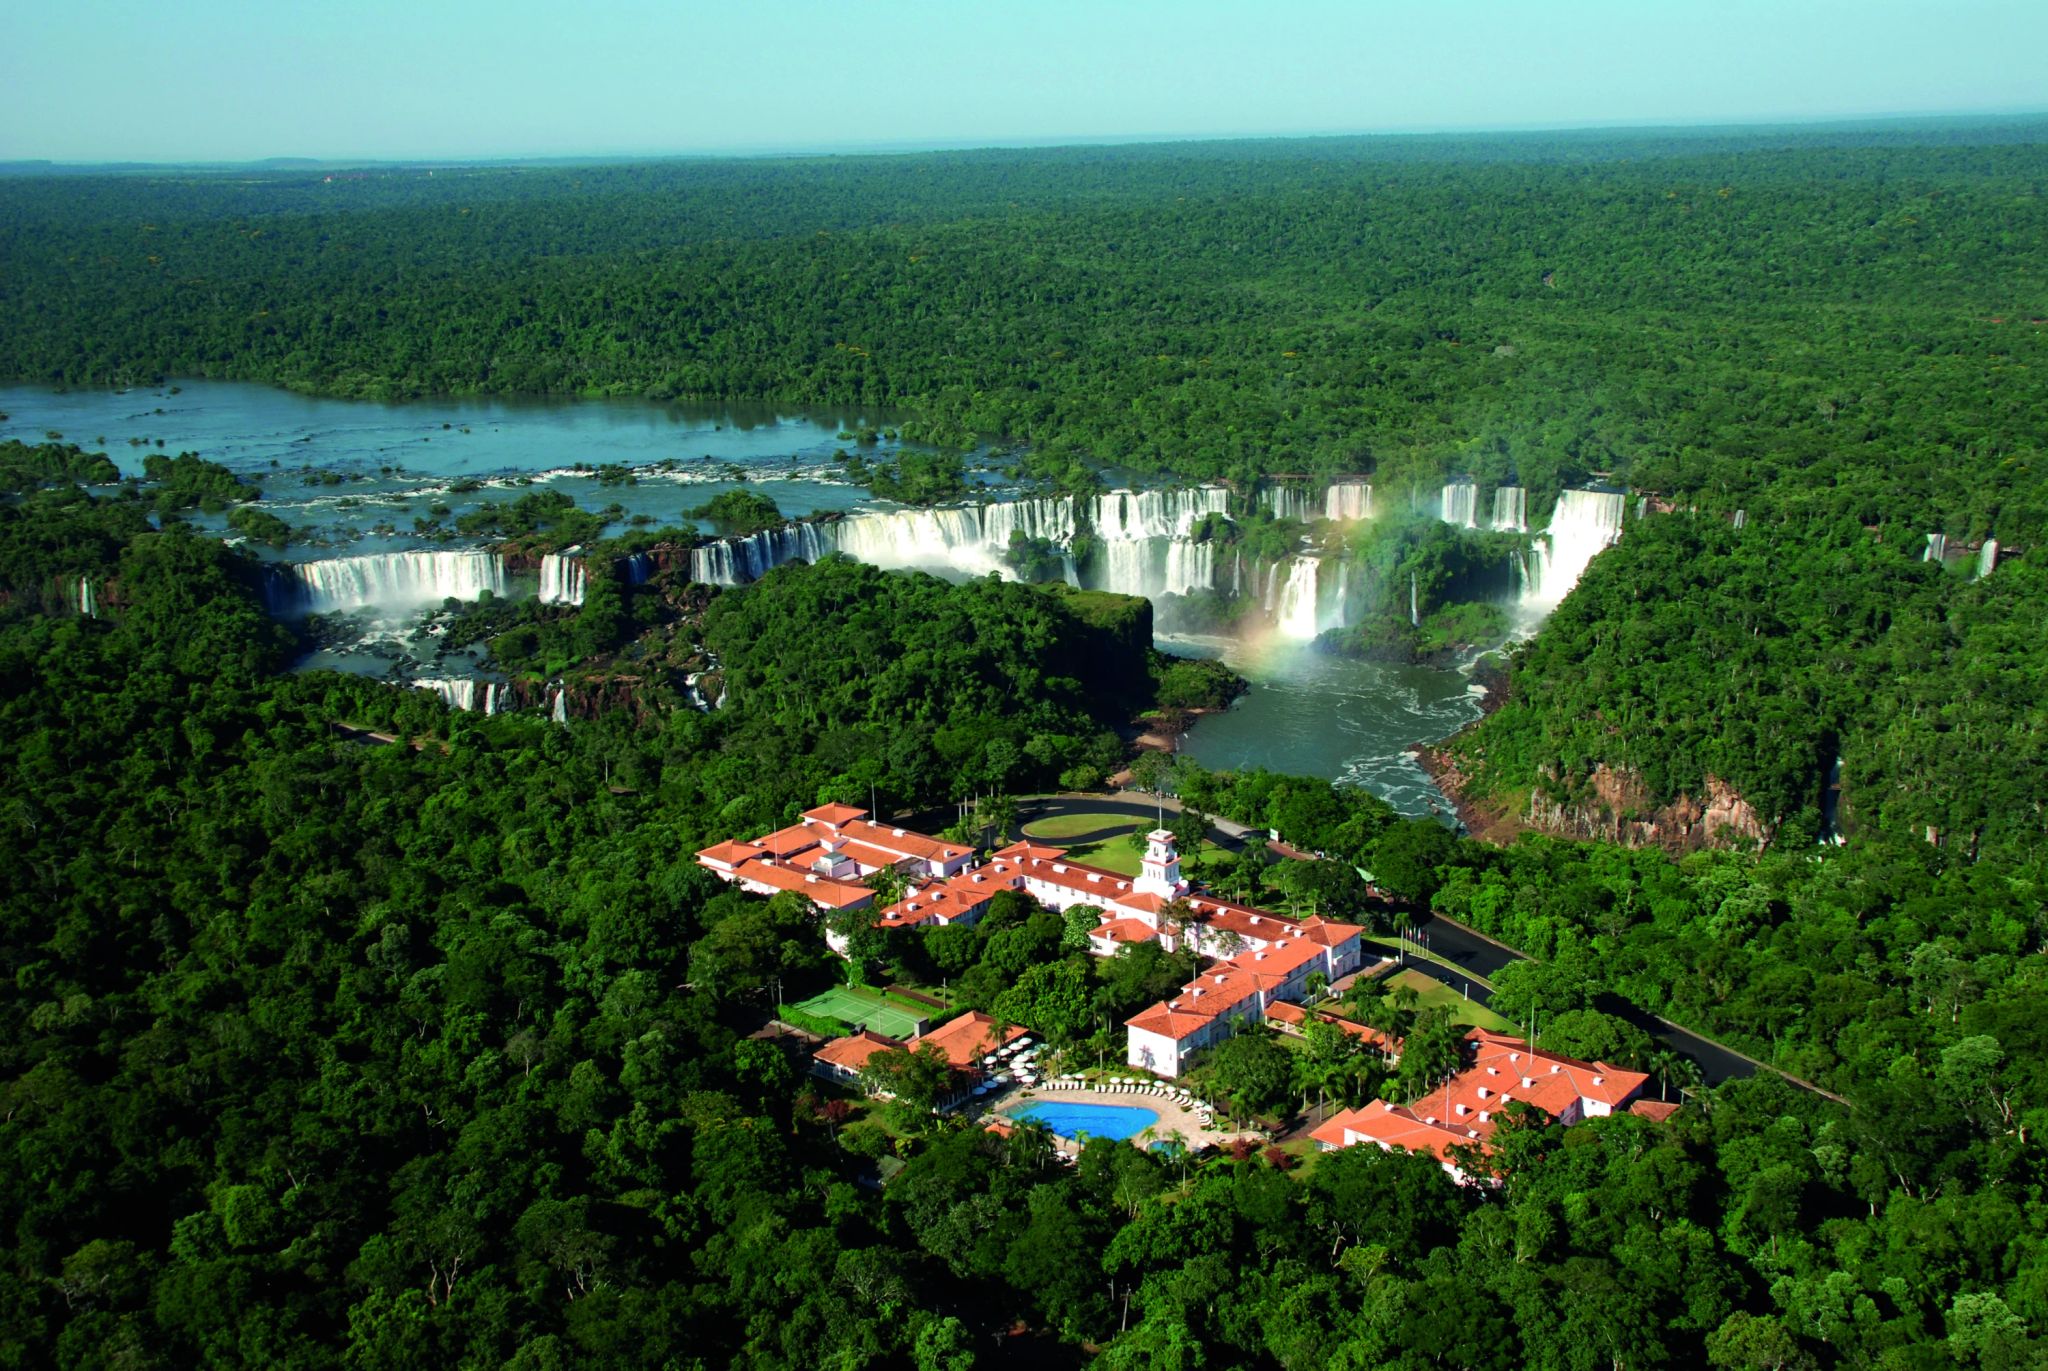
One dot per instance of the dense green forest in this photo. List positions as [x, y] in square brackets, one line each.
[329, 1053]
[444, 1052]
[1825, 329]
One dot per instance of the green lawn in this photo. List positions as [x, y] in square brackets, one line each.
[1074, 825]
[1114, 854]
[1432, 994]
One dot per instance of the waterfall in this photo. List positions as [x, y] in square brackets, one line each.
[1987, 560]
[637, 569]
[736, 561]
[494, 697]
[1459, 504]
[561, 578]
[1414, 603]
[1347, 501]
[1742, 518]
[456, 692]
[90, 608]
[559, 712]
[1510, 509]
[1145, 549]
[1286, 502]
[1584, 523]
[1937, 548]
[1237, 575]
[1124, 515]
[1296, 616]
[1190, 567]
[1642, 507]
[389, 580]
[970, 538]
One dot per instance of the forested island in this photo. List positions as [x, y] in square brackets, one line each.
[350, 1029]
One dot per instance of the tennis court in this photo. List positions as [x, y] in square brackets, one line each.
[864, 1011]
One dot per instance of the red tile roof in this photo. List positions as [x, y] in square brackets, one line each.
[1654, 1110]
[1467, 1107]
[852, 1053]
[835, 815]
[969, 1038]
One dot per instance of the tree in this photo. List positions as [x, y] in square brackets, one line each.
[1251, 1071]
[1409, 857]
[917, 1077]
[1081, 921]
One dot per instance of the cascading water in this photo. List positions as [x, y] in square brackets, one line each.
[1296, 616]
[1347, 501]
[1584, 523]
[1459, 504]
[457, 692]
[89, 607]
[1937, 548]
[559, 712]
[970, 538]
[561, 578]
[736, 561]
[388, 580]
[1145, 549]
[494, 697]
[1510, 509]
[1987, 559]
[1287, 502]
[1125, 515]
[637, 569]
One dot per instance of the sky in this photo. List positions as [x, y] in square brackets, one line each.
[233, 80]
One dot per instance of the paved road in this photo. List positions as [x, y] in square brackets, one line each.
[1461, 946]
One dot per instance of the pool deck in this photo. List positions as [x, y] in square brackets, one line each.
[1174, 1117]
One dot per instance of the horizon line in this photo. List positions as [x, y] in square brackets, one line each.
[1051, 142]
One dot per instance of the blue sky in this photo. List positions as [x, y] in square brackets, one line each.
[98, 80]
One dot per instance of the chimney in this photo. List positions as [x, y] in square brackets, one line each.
[1528, 1081]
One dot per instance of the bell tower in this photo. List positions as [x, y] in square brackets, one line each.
[1159, 874]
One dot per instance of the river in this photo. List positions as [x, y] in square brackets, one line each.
[357, 475]
[1310, 714]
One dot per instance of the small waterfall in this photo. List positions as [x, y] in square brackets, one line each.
[456, 692]
[90, 608]
[1510, 510]
[1286, 502]
[736, 561]
[1987, 559]
[1414, 603]
[1642, 507]
[1237, 576]
[1296, 616]
[1584, 523]
[388, 580]
[559, 711]
[1347, 501]
[1190, 567]
[561, 578]
[494, 697]
[1459, 504]
[637, 569]
[1742, 518]
[1937, 548]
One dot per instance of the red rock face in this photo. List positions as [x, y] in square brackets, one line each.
[1617, 808]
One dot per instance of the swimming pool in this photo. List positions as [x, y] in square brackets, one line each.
[1118, 1121]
